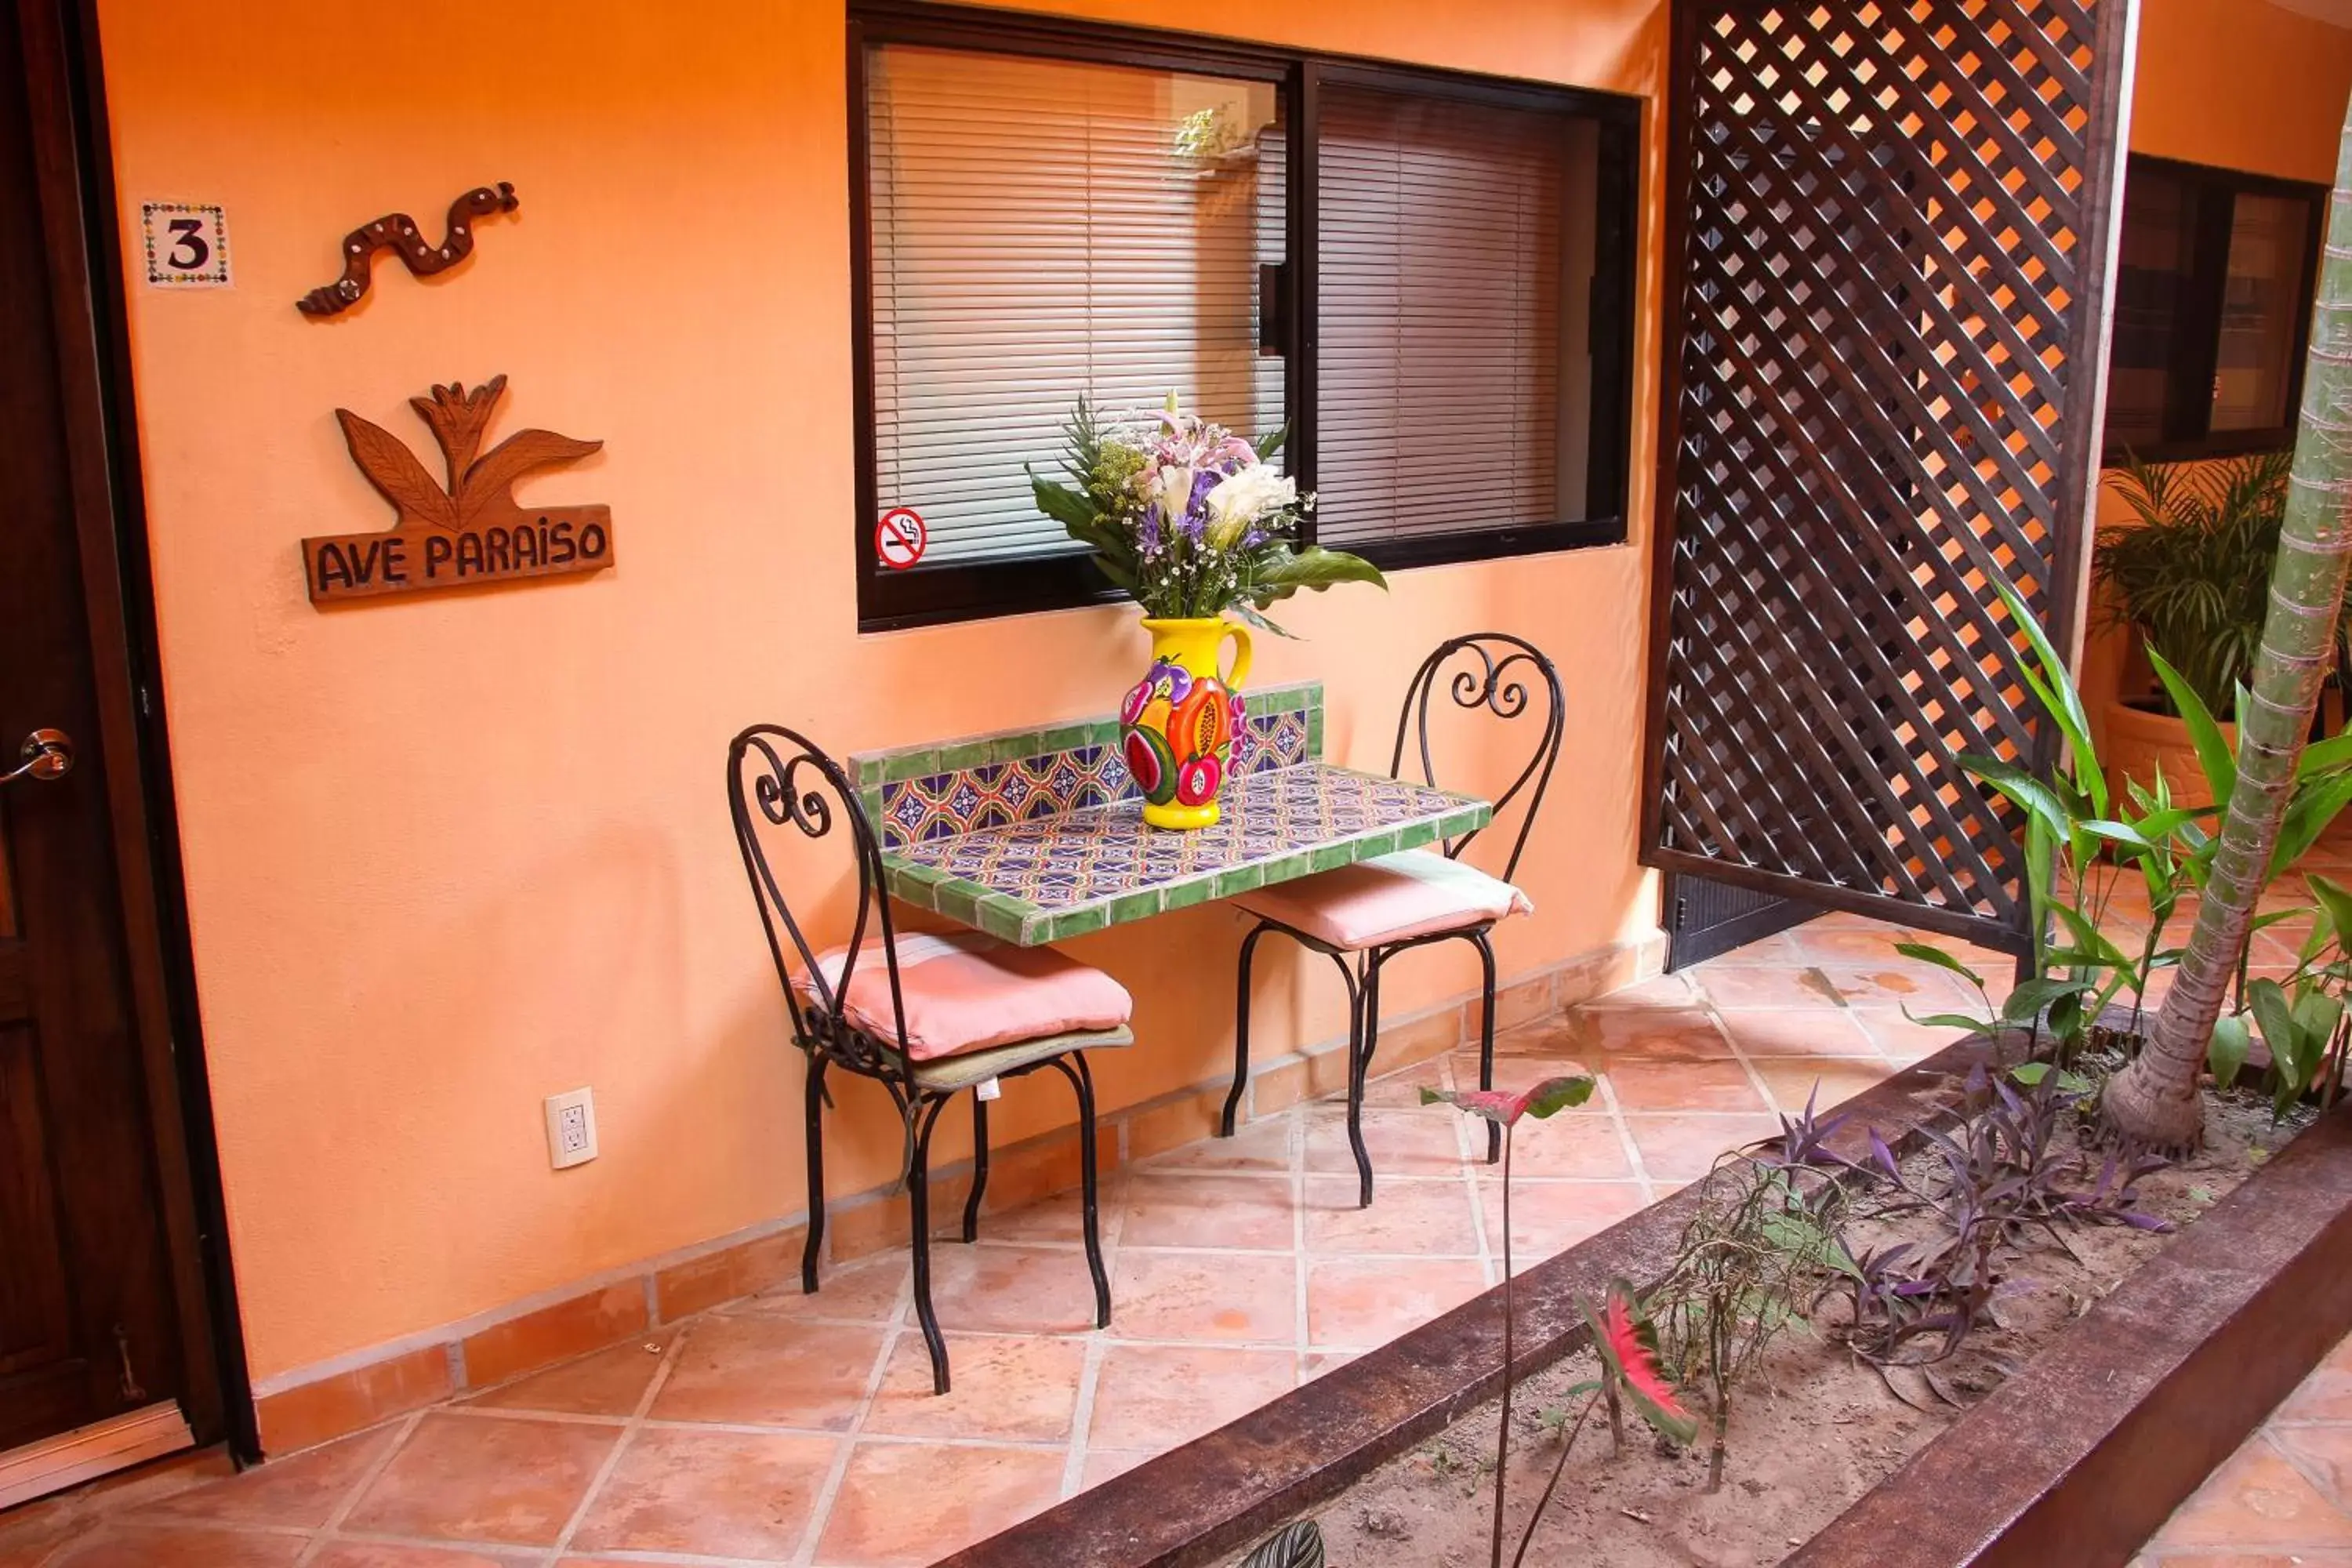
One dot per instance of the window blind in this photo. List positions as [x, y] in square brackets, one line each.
[1443, 264]
[1045, 228]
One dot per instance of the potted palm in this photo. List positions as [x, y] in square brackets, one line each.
[2189, 573]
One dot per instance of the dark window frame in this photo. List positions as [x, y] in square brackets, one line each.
[2197, 344]
[889, 600]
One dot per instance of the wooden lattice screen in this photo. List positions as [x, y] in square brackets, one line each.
[1888, 234]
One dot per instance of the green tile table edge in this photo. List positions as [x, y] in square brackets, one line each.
[893, 764]
[1028, 924]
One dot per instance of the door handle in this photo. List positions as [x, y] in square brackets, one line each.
[45, 754]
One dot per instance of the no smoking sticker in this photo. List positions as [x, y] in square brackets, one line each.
[900, 538]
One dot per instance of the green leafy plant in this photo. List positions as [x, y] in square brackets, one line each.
[1506, 1111]
[2190, 570]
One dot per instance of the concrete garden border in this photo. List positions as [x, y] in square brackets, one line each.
[2075, 1460]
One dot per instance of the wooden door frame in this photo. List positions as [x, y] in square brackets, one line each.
[65, 103]
[2113, 70]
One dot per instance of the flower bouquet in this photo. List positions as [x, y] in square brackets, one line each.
[1189, 520]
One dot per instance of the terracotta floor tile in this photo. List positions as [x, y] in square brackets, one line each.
[1419, 1142]
[869, 1291]
[1684, 1147]
[1195, 1208]
[726, 1494]
[1684, 1086]
[1797, 1032]
[1900, 982]
[508, 1479]
[1768, 987]
[1515, 1072]
[765, 1371]
[302, 1489]
[2323, 1454]
[913, 1504]
[1562, 1034]
[609, 1382]
[1430, 1218]
[1362, 1302]
[1548, 1217]
[1781, 947]
[180, 1546]
[1102, 1464]
[1240, 1297]
[1654, 1034]
[1873, 944]
[1015, 1389]
[1659, 991]
[1900, 1038]
[1255, 1146]
[2257, 1499]
[2246, 1560]
[1567, 1145]
[1400, 1089]
[1058, 1217]
[1154, 1397]
[2327, 1394]
[1011, 1289]
[1826, 1080]
[387, 1554]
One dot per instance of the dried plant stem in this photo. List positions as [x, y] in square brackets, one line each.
[1566, 1448]
[1502, 1427]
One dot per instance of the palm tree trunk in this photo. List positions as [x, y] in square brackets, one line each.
[2153, 1101]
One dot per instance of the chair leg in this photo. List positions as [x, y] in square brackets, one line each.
[1074, 1068]
[815, 1141]
[1241, 1032]
[919, 1200]
[979, 1167]
[1486, 1038]
[1356, 999]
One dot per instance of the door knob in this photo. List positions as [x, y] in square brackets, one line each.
[45, 754]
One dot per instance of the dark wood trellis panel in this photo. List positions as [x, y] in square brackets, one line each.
[1889, 226]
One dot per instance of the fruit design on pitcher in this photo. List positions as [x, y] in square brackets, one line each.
[1179, 731]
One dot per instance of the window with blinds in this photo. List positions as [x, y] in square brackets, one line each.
[1043, 229]
[1454, 372]
[1046, 207]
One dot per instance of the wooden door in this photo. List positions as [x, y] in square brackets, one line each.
[1889, 258]
[88, 1325]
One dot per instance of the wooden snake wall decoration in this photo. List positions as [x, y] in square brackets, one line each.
[398, 231]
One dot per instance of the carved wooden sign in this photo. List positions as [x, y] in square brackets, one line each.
[470, 531]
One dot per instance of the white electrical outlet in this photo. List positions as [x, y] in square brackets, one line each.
[571, 1128]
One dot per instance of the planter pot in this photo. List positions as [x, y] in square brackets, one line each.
[2138, 742]
[1178, 723]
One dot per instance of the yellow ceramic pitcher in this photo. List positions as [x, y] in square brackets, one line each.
[1178, 724]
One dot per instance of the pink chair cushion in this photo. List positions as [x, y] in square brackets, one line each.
[1388, 899]
[967, 992]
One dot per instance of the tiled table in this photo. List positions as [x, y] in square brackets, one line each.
[1036, 835]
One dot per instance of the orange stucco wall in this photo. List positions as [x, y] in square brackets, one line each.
[446, 857]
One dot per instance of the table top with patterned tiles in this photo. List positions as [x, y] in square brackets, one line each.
[1055, 877]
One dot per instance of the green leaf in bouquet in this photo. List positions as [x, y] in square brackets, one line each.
[1284, 572]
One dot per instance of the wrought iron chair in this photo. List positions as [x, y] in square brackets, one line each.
[926, 1017]
[1362, 916]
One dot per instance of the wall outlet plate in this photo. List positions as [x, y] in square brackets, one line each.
[571, 1128]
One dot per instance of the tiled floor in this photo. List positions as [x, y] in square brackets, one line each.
[2285, 1498]
[793, 1429]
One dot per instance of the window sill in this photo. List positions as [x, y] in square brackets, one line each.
[920, 608]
